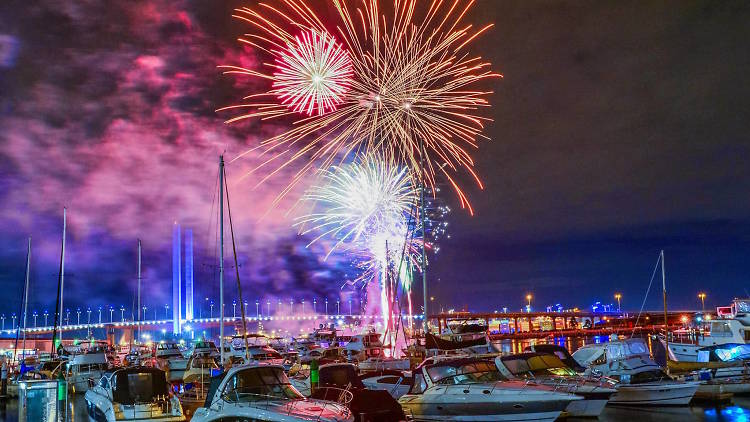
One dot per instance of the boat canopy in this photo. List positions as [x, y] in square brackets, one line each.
[139, 385]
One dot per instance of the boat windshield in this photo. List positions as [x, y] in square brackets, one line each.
[654, 375]
[259, 384]
[537, 366]
[465, 373]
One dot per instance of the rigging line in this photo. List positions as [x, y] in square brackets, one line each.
[237, 271]
[656, 267]
[407, 241]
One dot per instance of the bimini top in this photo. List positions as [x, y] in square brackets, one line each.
[138, 385]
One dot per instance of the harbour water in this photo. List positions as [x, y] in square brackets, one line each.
[738, 410]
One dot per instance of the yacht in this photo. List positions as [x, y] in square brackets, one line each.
[641, 380]
[199, 368]
[262, 392]
[203, 347]
[169, 359]
[368, 353]
[86, 363]
[134, 393]
[720, 368]
[547, 369]
[465, 335]
[731, 326]
[473, 389]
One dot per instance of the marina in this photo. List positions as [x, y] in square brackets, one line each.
[374, 211]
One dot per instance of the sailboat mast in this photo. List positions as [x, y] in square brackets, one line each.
[26, 296]
[60, 281]
[666, 323]
[139, 290]
[424, 233]
[221, 257]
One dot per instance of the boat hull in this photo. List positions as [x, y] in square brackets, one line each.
[661, 394]
[445, 409]
[586, 408]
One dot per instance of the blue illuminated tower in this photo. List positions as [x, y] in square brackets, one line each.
[176, 280]
[188, 274]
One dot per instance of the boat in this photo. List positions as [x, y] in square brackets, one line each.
[562, 353]
[731, 327]
[133, 394]
[199, 368]
[368, 353]
[473, 389]
[88, 363]
[641, 380]
[721, 368]
[366, 404]
[169, 359]
[262, 392]
[396, 383]
[467, 335]
[202, 347]
[548, 369]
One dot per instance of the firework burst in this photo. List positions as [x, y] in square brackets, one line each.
[411, 94]
[312, 74]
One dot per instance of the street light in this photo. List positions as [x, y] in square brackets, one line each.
[13, 325]
[257, 309]
[34, 314]
[111, 314]
[46, 314]
[212, 308]
[528, 298]
[166, 311]
[234, 309]
[303, 307]
[315, 309]
[3, 319]
[338, 308]
[100, 315]
[88, 311]
[268, 307]
[326, 306]
[78, 312]
[122, 313]
[618, 296]
[67, 316]
[702, 297]
[291, 307]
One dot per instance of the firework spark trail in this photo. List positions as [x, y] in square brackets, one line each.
[411, 85]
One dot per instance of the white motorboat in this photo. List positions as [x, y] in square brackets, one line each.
[368, 353]
[262, 392]
[203, 347]
[722, 368]
[732, 327]
[473, 389]
[199, 368]
[133, 394]
[89, 363]
[641, 380]
[549, 370]
[169, 359]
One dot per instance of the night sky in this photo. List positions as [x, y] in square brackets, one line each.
[620, 128]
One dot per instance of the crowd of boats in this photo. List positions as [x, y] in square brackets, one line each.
[454, 375]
